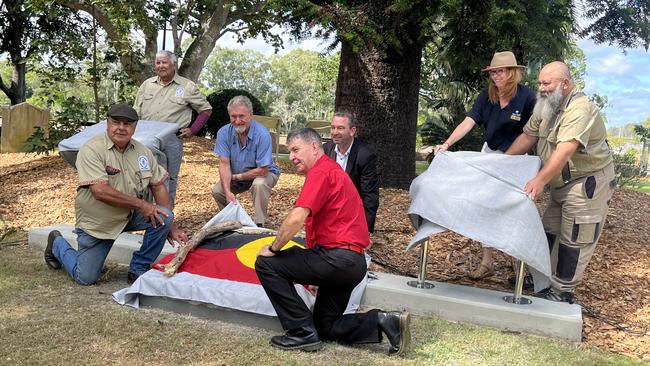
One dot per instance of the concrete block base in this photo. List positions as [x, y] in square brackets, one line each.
[476, 306]
[122, 250]
[448, 301]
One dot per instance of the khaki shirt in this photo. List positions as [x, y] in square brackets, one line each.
[131, 172]
[579, 119]
[170, 103]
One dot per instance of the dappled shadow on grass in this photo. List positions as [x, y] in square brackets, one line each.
[47, 319]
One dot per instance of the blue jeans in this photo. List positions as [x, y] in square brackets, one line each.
[85, 264]
[174, 155]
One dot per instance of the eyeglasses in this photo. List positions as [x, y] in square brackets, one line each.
[497, 72]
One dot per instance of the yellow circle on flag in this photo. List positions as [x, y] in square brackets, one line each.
[248, 252]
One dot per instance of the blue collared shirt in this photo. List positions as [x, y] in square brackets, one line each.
[256, 153]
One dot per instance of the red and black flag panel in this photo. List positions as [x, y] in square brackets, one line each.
[228, 256]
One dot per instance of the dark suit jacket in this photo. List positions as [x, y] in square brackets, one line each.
[362, 169]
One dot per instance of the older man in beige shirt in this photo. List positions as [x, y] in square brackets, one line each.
[118, 177]
[169, 97]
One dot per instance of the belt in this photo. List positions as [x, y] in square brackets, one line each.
[353, 248]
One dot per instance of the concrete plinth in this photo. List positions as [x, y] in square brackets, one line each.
[477, 306]
[448, 301]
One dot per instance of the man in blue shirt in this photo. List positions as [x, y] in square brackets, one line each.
[245, 160]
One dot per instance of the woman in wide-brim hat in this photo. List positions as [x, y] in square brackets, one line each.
[502, 110]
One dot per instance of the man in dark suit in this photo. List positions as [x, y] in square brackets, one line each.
[358, 160]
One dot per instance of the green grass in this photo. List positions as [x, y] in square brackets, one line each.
[45, 318]
[283, 158]
[643, 186]
[420, 167]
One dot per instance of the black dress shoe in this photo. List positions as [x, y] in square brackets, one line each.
[131, 277]
[50, 259]
[395, 325]
[305, 338]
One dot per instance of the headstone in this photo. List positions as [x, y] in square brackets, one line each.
[18, 123]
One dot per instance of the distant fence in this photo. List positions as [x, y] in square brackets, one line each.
[18, 122]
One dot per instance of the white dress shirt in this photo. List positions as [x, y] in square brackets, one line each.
[342, 159]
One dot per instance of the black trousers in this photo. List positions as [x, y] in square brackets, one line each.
[336, 272]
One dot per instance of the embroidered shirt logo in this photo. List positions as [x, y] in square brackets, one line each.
[516, 116]
[111, 171]
[180, 91]
[143, 163]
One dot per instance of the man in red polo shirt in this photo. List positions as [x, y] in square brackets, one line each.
[337, 234]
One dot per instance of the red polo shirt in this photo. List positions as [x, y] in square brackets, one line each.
[337, 218]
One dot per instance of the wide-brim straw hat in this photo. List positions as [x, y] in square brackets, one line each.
[502, 60]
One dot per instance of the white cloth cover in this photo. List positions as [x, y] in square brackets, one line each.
[152, 134]
[230, 294]
[481, 196]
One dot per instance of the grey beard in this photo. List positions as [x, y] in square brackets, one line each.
[548, 106]
[240, 129]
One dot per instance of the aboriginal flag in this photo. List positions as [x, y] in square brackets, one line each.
[229, 256]
[221, 272]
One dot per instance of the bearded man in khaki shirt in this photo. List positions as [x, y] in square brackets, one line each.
[169, 97]
[578, 166]
[117, 177]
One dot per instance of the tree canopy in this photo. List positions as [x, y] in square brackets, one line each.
[202, 21]
[382, 44]
[38, 33]
[623, 23]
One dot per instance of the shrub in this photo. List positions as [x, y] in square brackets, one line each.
[439, 125]
[627, 169]
[219, 102]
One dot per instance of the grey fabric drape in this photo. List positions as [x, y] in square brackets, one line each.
[481, 196]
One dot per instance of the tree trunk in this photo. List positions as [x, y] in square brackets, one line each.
[381, 90]
[17, 90]
[203, 44]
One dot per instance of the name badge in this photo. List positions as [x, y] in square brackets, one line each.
[516, 116]
[143, 163]
[180, 91]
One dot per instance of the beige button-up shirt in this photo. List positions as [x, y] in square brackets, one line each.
[131, 172]
[170, 103]
[579, 119]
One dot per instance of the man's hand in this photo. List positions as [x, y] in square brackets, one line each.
[176, 234]
[534, 188]
[152, 213]
[185, 133]
[230, 197]
[265, 252]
